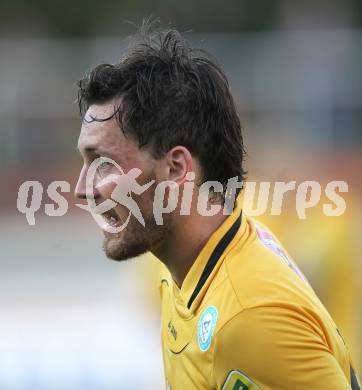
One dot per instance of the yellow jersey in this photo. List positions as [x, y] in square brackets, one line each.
[246, 318]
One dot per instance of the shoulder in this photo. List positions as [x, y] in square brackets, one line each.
[262, 273]
[272, 345]
[257, 272]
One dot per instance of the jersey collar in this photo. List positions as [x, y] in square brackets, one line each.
[208, 261]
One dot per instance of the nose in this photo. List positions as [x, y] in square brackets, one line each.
[80, 188]
[80, 191]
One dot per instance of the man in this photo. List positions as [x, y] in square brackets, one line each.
[236, 311]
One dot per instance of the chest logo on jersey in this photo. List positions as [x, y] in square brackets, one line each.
[206, 326]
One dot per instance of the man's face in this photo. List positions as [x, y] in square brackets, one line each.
[105, 139]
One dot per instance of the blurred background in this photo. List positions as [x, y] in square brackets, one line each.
[69, 318]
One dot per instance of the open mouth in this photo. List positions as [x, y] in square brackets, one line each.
[111, 218]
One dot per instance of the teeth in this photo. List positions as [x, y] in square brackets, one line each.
[111, 220]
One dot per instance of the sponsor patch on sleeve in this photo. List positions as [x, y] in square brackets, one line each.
[268, 240]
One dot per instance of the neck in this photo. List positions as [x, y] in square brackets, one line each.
[181, 248]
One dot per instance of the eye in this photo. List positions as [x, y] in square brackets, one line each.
[104, 165]
[104, 168]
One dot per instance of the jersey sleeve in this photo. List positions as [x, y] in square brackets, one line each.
[274, 348]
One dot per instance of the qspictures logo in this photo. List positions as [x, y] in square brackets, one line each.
[258, 197]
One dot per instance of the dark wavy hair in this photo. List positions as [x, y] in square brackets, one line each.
[171, 94]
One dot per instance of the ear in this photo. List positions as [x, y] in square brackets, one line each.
[178, 162]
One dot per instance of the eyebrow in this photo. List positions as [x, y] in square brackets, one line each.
[89, 150]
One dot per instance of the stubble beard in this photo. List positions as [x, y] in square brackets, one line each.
[135, 240]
